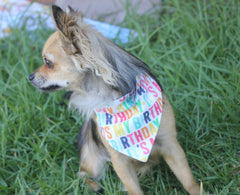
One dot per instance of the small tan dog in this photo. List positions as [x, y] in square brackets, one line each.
[79, 59]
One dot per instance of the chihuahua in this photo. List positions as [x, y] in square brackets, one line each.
[128, 118]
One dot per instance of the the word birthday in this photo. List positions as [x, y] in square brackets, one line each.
[130, 124]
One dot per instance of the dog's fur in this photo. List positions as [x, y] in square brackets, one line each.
[77, 58]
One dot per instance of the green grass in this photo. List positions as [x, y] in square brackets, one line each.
[193, 47]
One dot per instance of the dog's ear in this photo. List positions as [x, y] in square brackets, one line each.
[64, 20]
[58, 15]
[66, 23]
[75, 39]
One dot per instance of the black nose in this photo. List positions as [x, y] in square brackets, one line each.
[31, 76]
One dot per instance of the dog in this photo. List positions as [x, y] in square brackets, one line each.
[103, 78]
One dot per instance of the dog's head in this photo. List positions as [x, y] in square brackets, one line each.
[71, 53]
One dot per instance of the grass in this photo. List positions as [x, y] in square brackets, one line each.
[193, 47]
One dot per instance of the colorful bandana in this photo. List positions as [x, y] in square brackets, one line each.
[130, 124]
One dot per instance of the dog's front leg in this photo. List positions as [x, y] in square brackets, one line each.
[92, 157]
[175, 158]
[124, 168]
[126, 172]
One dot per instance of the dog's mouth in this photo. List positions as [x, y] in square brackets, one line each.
[51, 88]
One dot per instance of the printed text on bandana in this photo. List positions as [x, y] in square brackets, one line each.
[131, 123]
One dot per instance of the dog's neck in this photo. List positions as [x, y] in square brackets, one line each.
[96, 94]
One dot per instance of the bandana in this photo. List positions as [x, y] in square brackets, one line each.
[130, 124]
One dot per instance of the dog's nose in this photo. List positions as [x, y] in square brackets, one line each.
[31, 76]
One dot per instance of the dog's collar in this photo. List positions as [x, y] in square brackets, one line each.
[130, 123]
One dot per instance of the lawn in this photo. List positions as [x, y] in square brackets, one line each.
[193, 48]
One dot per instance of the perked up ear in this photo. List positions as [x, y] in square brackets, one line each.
[66, 23]
[58, 15]
[64, 20]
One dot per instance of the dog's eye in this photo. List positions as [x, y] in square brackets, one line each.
[48, 63]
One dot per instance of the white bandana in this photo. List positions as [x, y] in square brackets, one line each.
[130, 124]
